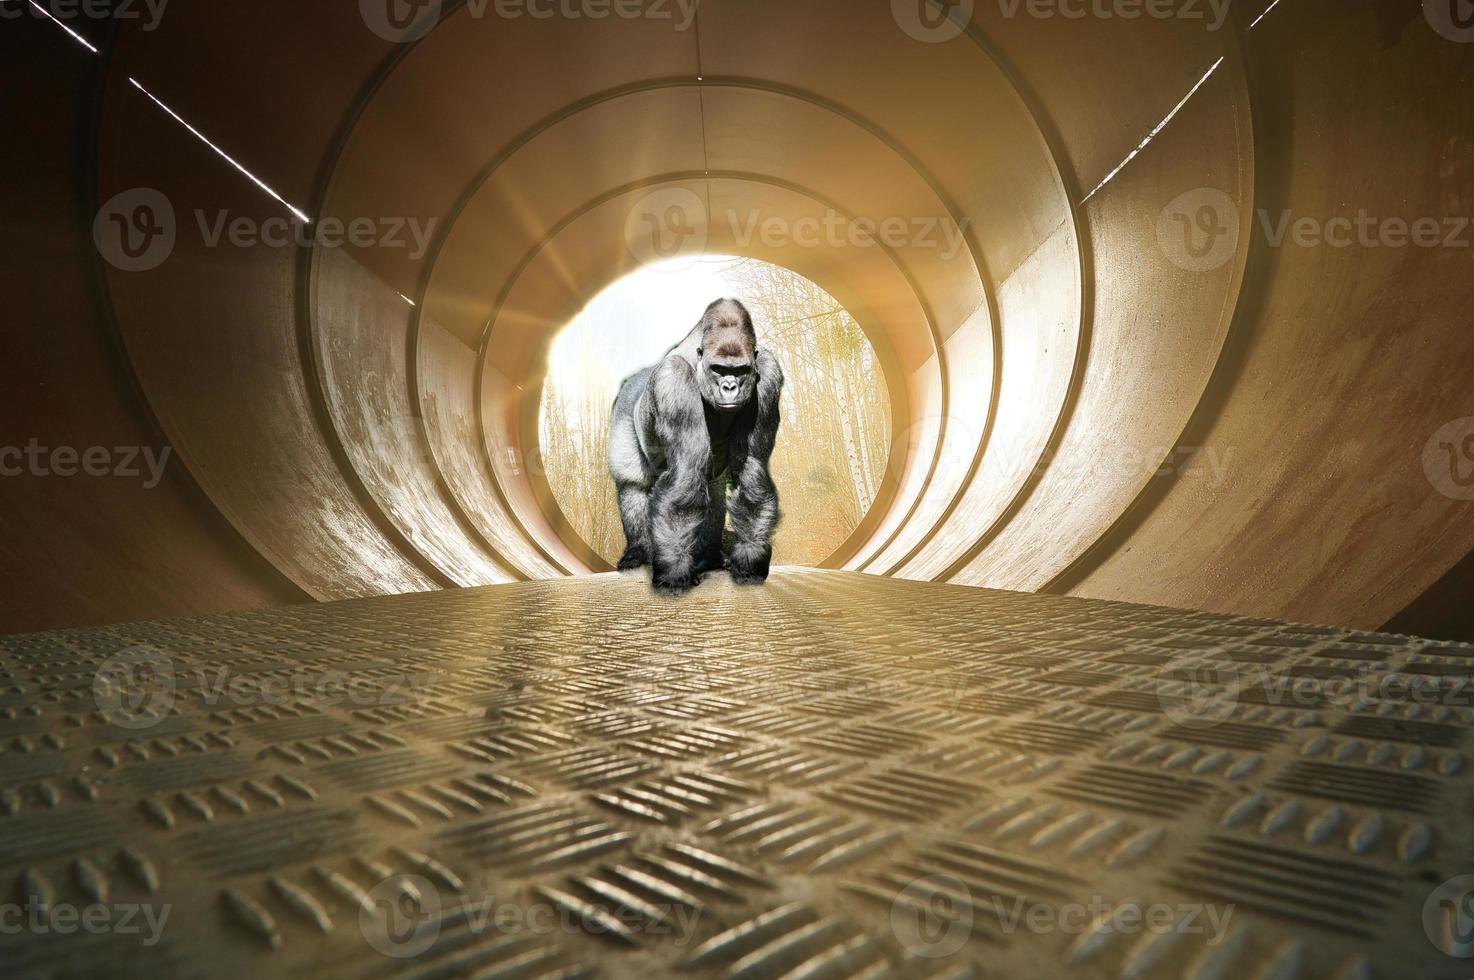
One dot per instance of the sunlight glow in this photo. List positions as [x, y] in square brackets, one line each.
[632, 325]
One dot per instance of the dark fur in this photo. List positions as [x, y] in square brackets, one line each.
[687, 431]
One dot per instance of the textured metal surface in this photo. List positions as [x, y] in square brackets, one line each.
[560, 778]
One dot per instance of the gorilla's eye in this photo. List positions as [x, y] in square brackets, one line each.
[734, 371]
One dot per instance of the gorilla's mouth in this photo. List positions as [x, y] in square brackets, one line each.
[728, 398]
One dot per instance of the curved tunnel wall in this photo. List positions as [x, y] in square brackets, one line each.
[360, 420]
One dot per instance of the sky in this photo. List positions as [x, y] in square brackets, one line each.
[630, 324]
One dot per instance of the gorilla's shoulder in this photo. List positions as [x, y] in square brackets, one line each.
[675, 366]
[674, 370]
[768, 367]
[674, 383]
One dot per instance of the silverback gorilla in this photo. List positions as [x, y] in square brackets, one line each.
[701, 421]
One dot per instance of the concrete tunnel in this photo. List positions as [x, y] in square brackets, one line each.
[352, 422]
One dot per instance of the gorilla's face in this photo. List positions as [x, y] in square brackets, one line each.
[725, 370]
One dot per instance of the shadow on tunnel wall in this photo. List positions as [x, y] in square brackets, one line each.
[1170, 309]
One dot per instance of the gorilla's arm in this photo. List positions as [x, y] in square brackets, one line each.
[754, 503]
[632, 472]
[678, 501]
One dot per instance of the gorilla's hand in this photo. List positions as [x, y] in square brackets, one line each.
[675, 581]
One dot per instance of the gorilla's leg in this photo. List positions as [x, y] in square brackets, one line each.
[754, 519]
[634, 514]
[755, 501]
[678, 501]
[709, 536]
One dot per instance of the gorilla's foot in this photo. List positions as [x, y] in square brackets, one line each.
[749, 563]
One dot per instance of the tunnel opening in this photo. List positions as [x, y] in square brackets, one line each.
[833, 449]
[1161, 466]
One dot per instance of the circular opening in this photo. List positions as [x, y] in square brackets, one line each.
[831, 453]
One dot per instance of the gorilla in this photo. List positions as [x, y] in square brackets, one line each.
[684, 432]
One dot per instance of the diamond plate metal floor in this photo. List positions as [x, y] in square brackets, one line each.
[574, 777]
